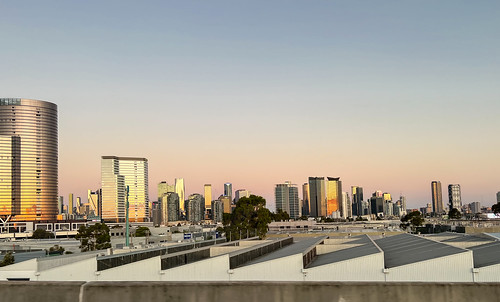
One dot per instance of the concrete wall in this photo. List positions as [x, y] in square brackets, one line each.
[367, 268]
[453, 268]
[246, 291]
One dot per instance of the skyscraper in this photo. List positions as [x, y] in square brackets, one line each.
[333, 196]
[454, 197]
[305, 199]
[241, 193]
[28, 165]
[357, 201]
[437, 197]
[169, 205]
[498, 196]
[317, 198]
[195, 208]
[208, 196]
[71, 205]
[95, 201]
[116, 174]
[345, 209]
[180, 188]
[217, 210]
[287, 199]
[228, 190]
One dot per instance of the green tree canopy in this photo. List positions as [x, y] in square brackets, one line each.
[454, 214]
[7, 259]
[414, 218]
[142, 231]
[42, 234]
[496, 208]
[94, 237]
[248, 217]
[280, 215]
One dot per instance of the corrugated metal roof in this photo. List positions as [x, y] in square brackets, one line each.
[406, 249]
[486, 254]
[298, 247]
[369, 248]
[468, 238]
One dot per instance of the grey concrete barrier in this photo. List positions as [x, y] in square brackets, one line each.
[247, 291]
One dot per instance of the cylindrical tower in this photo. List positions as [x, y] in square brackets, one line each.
[28, 159]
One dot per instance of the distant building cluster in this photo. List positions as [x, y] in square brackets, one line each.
[323, 197]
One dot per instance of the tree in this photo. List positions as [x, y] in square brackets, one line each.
[142, 231]
[248, 217]
[454, 214]
[496, 208]
[413, 218]
[280, 215]
[94, 237]
[42, 234]
[7, 259]
[56, 249]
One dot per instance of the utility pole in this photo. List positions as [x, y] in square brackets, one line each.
[126, 221]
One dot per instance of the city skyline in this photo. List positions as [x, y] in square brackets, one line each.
[388, 97]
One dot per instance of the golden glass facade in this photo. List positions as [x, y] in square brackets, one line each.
[28, 160]
[116, 174]
[333, 195]
[208, 196]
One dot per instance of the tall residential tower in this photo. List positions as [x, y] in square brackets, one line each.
[437, 197]
[28, 162]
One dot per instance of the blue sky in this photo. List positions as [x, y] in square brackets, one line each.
[388, 95]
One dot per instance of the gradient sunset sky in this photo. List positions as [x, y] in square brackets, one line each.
[387, 95]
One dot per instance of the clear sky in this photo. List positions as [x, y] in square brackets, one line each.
[387, 95]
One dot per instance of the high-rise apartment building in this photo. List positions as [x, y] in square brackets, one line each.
[317, 198]
[118, 173]
[498, 196]
[454, 197]
[195, 208]
[437, 197]
[217, 210]
[305, 200]
[333, 196]
[169, 205]
[163, 188]
[345, 209]
[475, 207]
[29, 160]
[60, 204]
[241, 193]
[228, 190]
[287, 199]
[180, 189]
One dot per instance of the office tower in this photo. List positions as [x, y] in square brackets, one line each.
[71, 205]
[305, 199]
[217, 211]
[240, 193]
[162, 189]
[195, 208]
[317, 198]
[345, 209]
[377, 204]
[454, 197]
[498, 196]
[156, 213]
[78, 202]
[208, 195]
[228, 190]
[60, 204]
[28, 162]
[333, 195]
[403, 204]
[116, 174]
[226, 201]
[95, 201]
[180, 188]
[287, 199]
[437, 197]
[356, 200]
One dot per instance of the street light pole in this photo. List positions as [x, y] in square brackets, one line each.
[126, 221]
